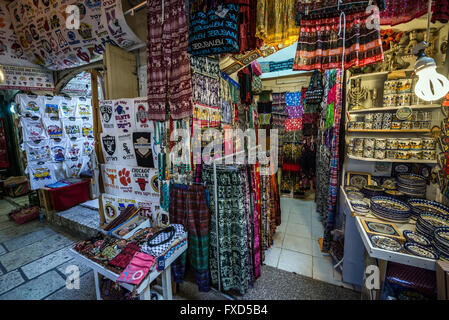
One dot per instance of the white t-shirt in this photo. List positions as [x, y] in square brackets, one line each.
[30, 105]
[126, 154]
[107, 116]
[41, 174]
[124, 115]
[72, 127]
[38, 150]
[53, 128]
[143, 124]
[58, 150]
[67, 107]
[84, 108]
[110, 206]
[110, 149]
[51, 107]
[32, 129]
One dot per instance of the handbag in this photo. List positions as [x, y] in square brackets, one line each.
[137, 269]
[161, 241]
[314, 93]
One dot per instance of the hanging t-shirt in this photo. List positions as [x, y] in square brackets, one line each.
[32, 129]
[58, 149]
[146, 183]
[60, 172]
[30, 105]
[109, 146]
[86, 165]
[110, 178]
[41, 174]
[87, 129]
[74, 148]
[147, 208]
[110, 206]
[51, 107]
[124, 181]
[88, 146]
[53, 128]
[126, 153]
[38, 150]
[67, 107]
[123, 203]
[124, 115]
[73, 167]
[107, 116]
[142, 115]
[83, 108]
[72, 127]
[143, 147]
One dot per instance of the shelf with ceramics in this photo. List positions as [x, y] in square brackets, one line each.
[394, 108]
[394, 160]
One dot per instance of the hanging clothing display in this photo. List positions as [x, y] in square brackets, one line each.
[188, 207]
[276, 24]
[400, 11]
[321, 46]
[168, 62]
[205, 80]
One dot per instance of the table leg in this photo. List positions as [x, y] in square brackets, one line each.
[146, 294]
[166, 284]
[97, 285]
[383, 264]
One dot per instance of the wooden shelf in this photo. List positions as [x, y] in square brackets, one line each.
[377, 74]
[391, 160]
[423, 106]
[390, 131]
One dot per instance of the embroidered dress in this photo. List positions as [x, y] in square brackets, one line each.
[168, 62]
[320, 47]
[188, 207]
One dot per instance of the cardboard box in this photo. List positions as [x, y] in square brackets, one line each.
[442, 275]
[16, 186]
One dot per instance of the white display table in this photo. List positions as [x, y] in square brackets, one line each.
[143, 290]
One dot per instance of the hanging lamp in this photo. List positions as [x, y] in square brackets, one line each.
[431, 85]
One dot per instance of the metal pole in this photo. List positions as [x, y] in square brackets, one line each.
[136, 8]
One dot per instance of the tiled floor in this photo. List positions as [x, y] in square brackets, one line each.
[296, 248]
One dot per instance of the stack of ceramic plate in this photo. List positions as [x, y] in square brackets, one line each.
[427, 206]
[372, 191]
[415, 237]
[428, 222]
[360, 206]
[412, 185]
[390, 209]
[355, 195]
[441, 241]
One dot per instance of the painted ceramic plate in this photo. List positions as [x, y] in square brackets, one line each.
[412, 236]
[434, 220]
[404, 113]
[428, 206]
[354, 195]
[390, 205]
[380, 227]
[421, 251]
[386, 243]
[358, 181]
[442, 234]
[352, 189]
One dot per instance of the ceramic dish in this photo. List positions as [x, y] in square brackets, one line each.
[428, 206]
[442, 236]
[379, 227]
[351, 188]
[412, 236]
[433, 221]
[390, 205]
[355, 195]
[412, 179]
[386, 243]
[421, 251]
[360, 206]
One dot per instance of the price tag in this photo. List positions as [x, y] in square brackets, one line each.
[221, 12]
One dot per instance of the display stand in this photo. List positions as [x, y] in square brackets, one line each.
[143, 290]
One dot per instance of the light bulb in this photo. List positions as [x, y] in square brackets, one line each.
[431, 85]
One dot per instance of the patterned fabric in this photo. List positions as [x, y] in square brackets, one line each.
[211, 34]
[188, 207]
[320, 47]
[293, 98]
[281, 65]
[335, 160]
[276, 22]
[205, 89]
[402, 11]
[294, 112]
[168, 62]
[232, 227]
[293, 124]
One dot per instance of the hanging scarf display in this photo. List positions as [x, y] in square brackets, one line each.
[168, 73]
[322, 41]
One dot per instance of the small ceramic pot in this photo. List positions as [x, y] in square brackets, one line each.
[402, 155]
[380, 144]
[404, 99]
[425, 124]
[368, 125]
[391, 154]
[428, 144]
[369, 117]
[416, 155]
[379, 154]
[395, 125]
[416, 144]
[406, 125]
[369, 143]
[392, 144]
[429, 154]
[368, 153]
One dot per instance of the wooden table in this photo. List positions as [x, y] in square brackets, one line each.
[143, 290]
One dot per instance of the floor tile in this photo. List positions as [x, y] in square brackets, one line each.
[85, 292]
[27, 254]
[82, 268]
[323, 269]
[300, 219]
[299, 230]
[282, 227]
[2, 250]
[272, 256]
[316, 250]
[44, 264]
[7, 225]
[18, 230]
[37, 288]
[29, 238]
[10, 280]
[298, 244]
[317, 231]
[295, 262]
[278, 239]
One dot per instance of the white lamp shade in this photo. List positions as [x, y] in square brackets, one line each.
[431, 85]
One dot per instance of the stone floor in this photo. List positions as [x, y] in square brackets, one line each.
[34, 258]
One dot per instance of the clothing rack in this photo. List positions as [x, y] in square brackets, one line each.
[216, 206]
